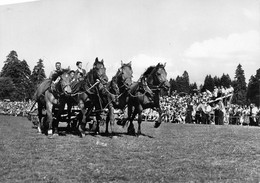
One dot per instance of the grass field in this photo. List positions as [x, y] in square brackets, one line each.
[171, 153]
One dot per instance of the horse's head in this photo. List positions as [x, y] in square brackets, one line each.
[99, 71]
[65, 82]
[125, 74]
[157, 76]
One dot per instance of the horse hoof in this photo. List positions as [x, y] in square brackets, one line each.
[49, 132]
[157, 124]
[81, 135]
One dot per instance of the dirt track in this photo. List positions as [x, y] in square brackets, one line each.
[171, 153]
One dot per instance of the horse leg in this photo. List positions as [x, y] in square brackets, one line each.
[81, 121]
[159, 121]
[69, 106]
[107, 123]
[140, 118]
[131, 128]
[111, 118]
[98, 118]
[49, 106]
[40, 118]
[58, 117]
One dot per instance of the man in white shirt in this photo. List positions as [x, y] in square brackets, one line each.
[79, 70]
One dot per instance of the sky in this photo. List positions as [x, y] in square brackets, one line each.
[198, 36]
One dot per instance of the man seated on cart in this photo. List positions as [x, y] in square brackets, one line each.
[54, 75]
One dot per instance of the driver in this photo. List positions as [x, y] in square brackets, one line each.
[54, 75]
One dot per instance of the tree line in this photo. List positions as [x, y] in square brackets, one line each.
[18, 82]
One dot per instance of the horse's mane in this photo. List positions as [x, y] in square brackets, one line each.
[89, 74]
[117, 73]
[148, 71]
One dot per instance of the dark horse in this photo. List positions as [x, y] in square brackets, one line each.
[114, 95]
[46, 97]
[86, 94]
[118, 87]
[146, 94]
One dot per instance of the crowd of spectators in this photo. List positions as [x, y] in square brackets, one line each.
[205, 108]
[15, 108]
[200, 108]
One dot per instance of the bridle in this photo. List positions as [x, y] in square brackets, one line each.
[123, 80]
[152, 74]
[63, 86]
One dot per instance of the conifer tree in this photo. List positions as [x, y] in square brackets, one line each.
[253, 91]
[208, 83]
[19, 72]
[240, 88]
[38, 73]
[183, 83]
[225, 80]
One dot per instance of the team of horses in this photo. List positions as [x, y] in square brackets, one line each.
[94, 94]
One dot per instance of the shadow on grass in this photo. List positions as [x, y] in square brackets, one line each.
[63, 131]
[119, 134]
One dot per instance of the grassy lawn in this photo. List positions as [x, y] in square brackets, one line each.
[171, 153]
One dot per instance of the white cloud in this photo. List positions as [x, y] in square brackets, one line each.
[141, 62]
[6, 2]
[222, 55]
[239, 45]
[252, 15]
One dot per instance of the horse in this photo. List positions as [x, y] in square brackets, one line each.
[146, 94]
[114, 95]
[118, 87]
[47, 96]
[86, 94]
[123, 77]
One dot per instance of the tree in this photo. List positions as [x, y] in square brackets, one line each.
[6, 88]
[19, 72]
[225, 80]
[173, 86]
[183, 83]
[193, 87]
[253, 91]
[208, 83]
[38, 74]
[217, 81]
[240, 88]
